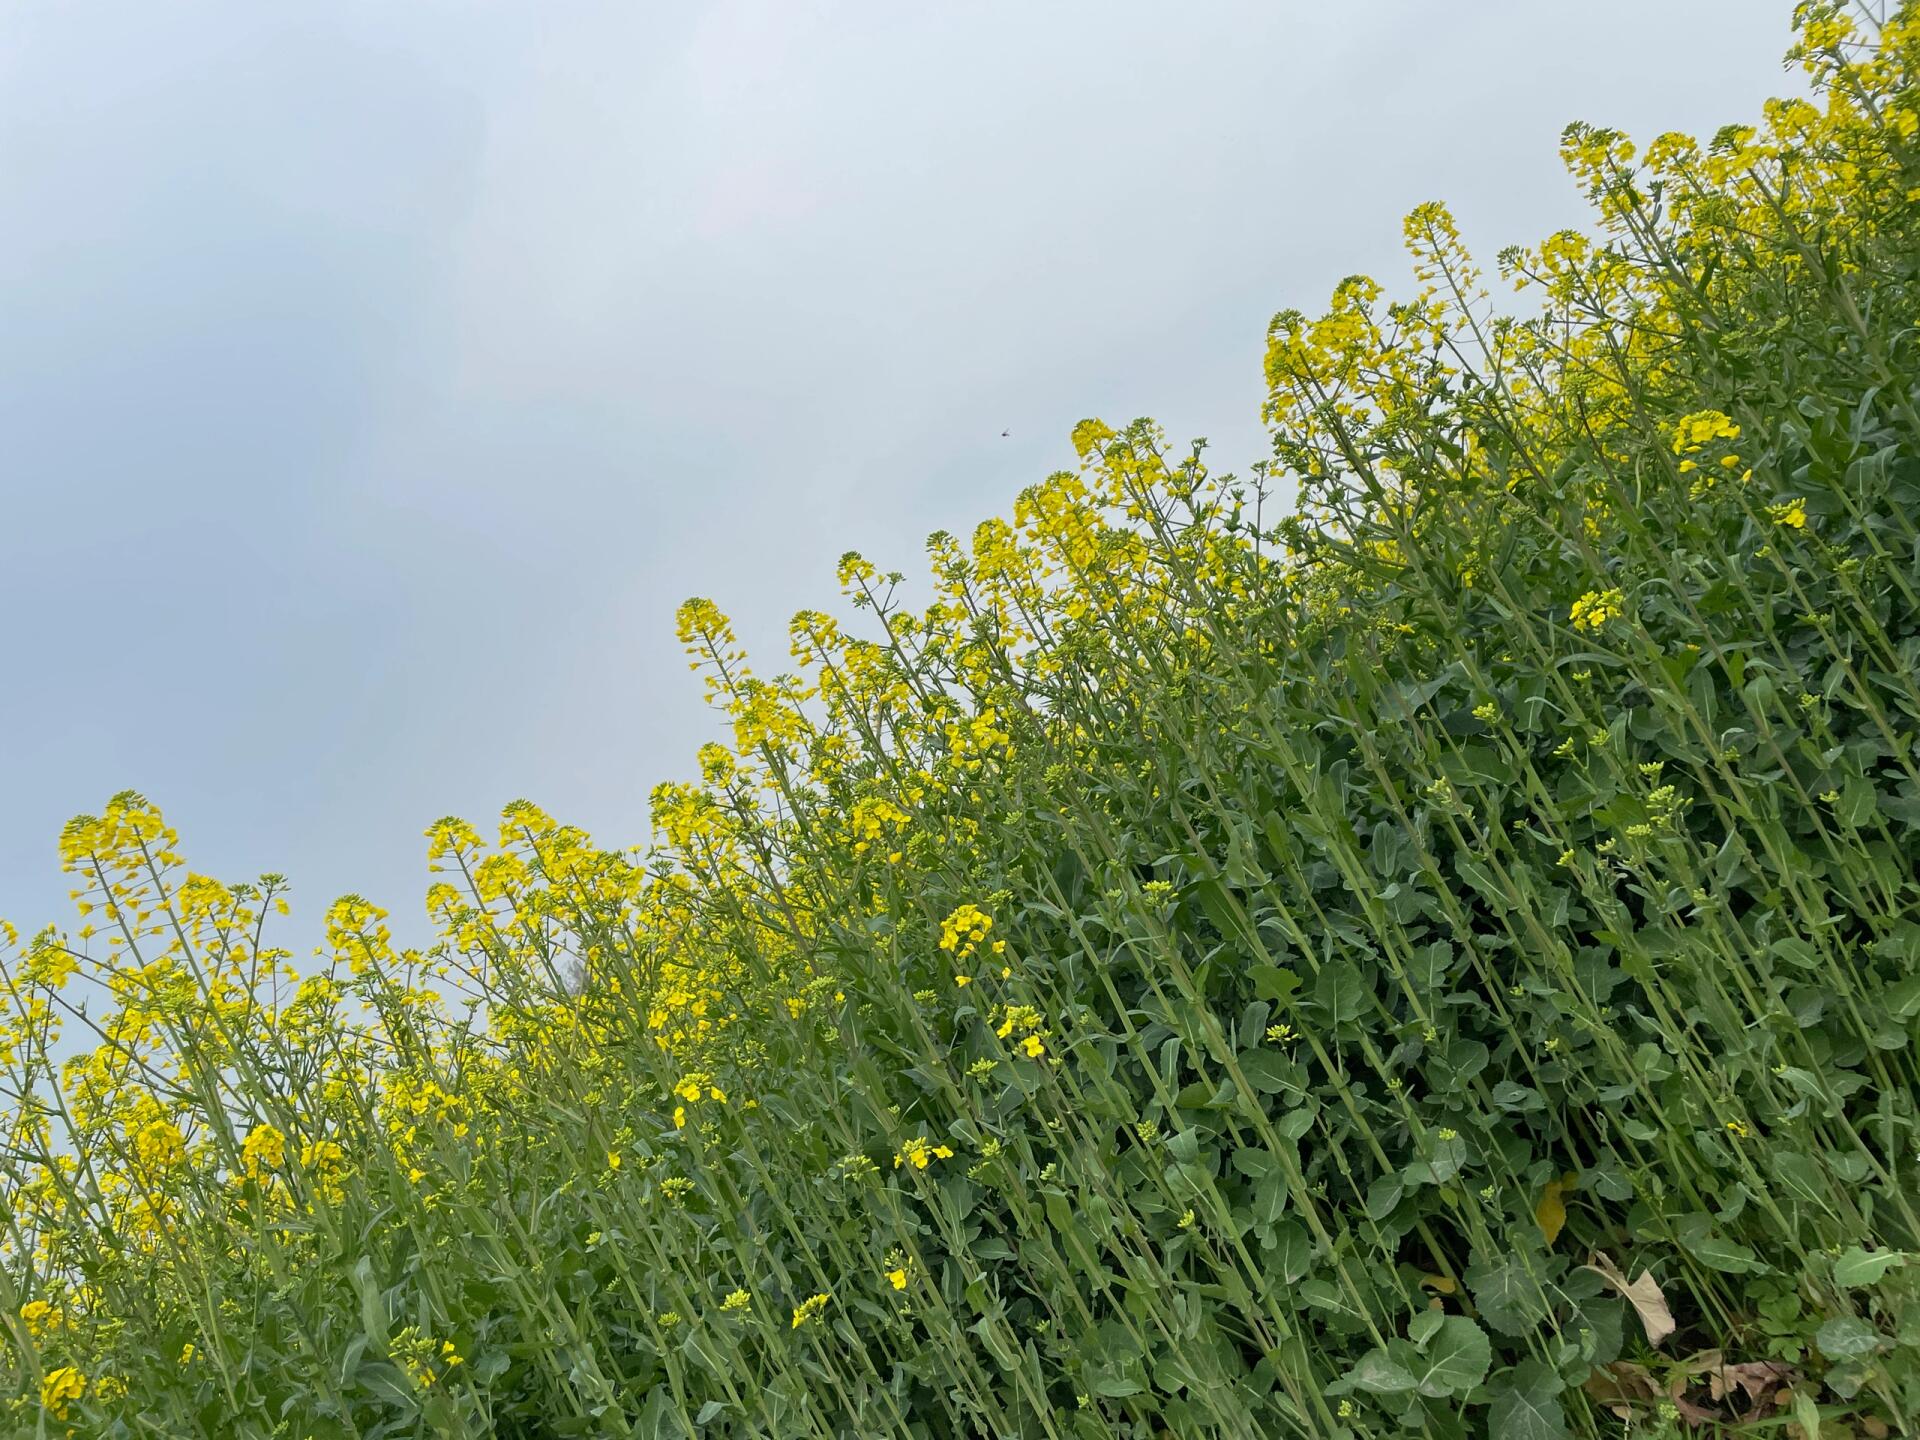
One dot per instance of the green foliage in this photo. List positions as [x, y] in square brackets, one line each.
[1442, 963]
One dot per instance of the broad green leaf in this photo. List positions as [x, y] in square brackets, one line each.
[1224, 912]
[1858, 803]
[373, 1310]
[1506, 1295]
[1270, 1197]
[1456, 1065]
[1903, 998]
[1383, 1194]
[1448, 1159]
[1858, 1267]
[1253, 1162]
[1295, 1123]
[1455, 1360]
[1379, 1373]
[1727, 1256]
[1341, 989]
[1847, 1337]
[1801, 1174]
[1483, 881]
[1806, 1412]
[1292, 1252]
[1526, 1405]
[658, 1419]
[1509, 1096]
[1270, 1072]
[1270, 982]
[1796, 951]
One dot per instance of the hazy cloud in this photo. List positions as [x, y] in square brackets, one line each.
[376, 379]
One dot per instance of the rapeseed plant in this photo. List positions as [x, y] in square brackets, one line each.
[1440, 960]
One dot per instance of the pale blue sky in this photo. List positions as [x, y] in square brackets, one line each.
[376, 379]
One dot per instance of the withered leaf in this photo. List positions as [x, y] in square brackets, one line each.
[1643, 1294]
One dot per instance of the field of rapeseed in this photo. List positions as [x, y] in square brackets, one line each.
[1439, 957]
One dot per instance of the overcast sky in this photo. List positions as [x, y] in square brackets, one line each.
[376, 379]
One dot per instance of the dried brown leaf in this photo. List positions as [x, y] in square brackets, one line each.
[1690, 1412]
[1623, 1385]
[1760, 1379]
[1643, 1294]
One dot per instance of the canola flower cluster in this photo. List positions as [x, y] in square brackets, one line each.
[1434, 957]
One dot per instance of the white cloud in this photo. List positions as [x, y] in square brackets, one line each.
[404, 365]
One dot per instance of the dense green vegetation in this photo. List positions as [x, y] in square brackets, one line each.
[1441, 960]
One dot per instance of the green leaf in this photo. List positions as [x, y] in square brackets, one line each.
[1509, 1096]
[373, 1310]
[1340, 988]
[1060, 1212]
[1858, 803]
[1270, 982]
[1506, 1295]
[1847, 1337]
[489, 1366]
[1448, 1159]
[1253, 1162]
[1270, 1072]
[1270, 1198]
[1482, 880]
[1859, 1267]
[389, 1384]
[1903, 1000]
[1526, 1405]
[1379, 1373]
[658, 1419]
[1383, 1194]
[1727, 1256]
[1800, 1174]
[1295, 1123]
[1454, 1066]
[1599, 1329]
[1292, 1251]
[1325, 1295]
[1456, 1359]
[1806, 1411]
[1796, 952]
[1224, 912]
[1197, 1096]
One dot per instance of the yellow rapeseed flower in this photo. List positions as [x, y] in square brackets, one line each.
[159, 1145]
[921, 1152]
[1596, 608]
[60, 1388]
[964, 929]
[1696, 431]
[265, 1148]
[1790, 513]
